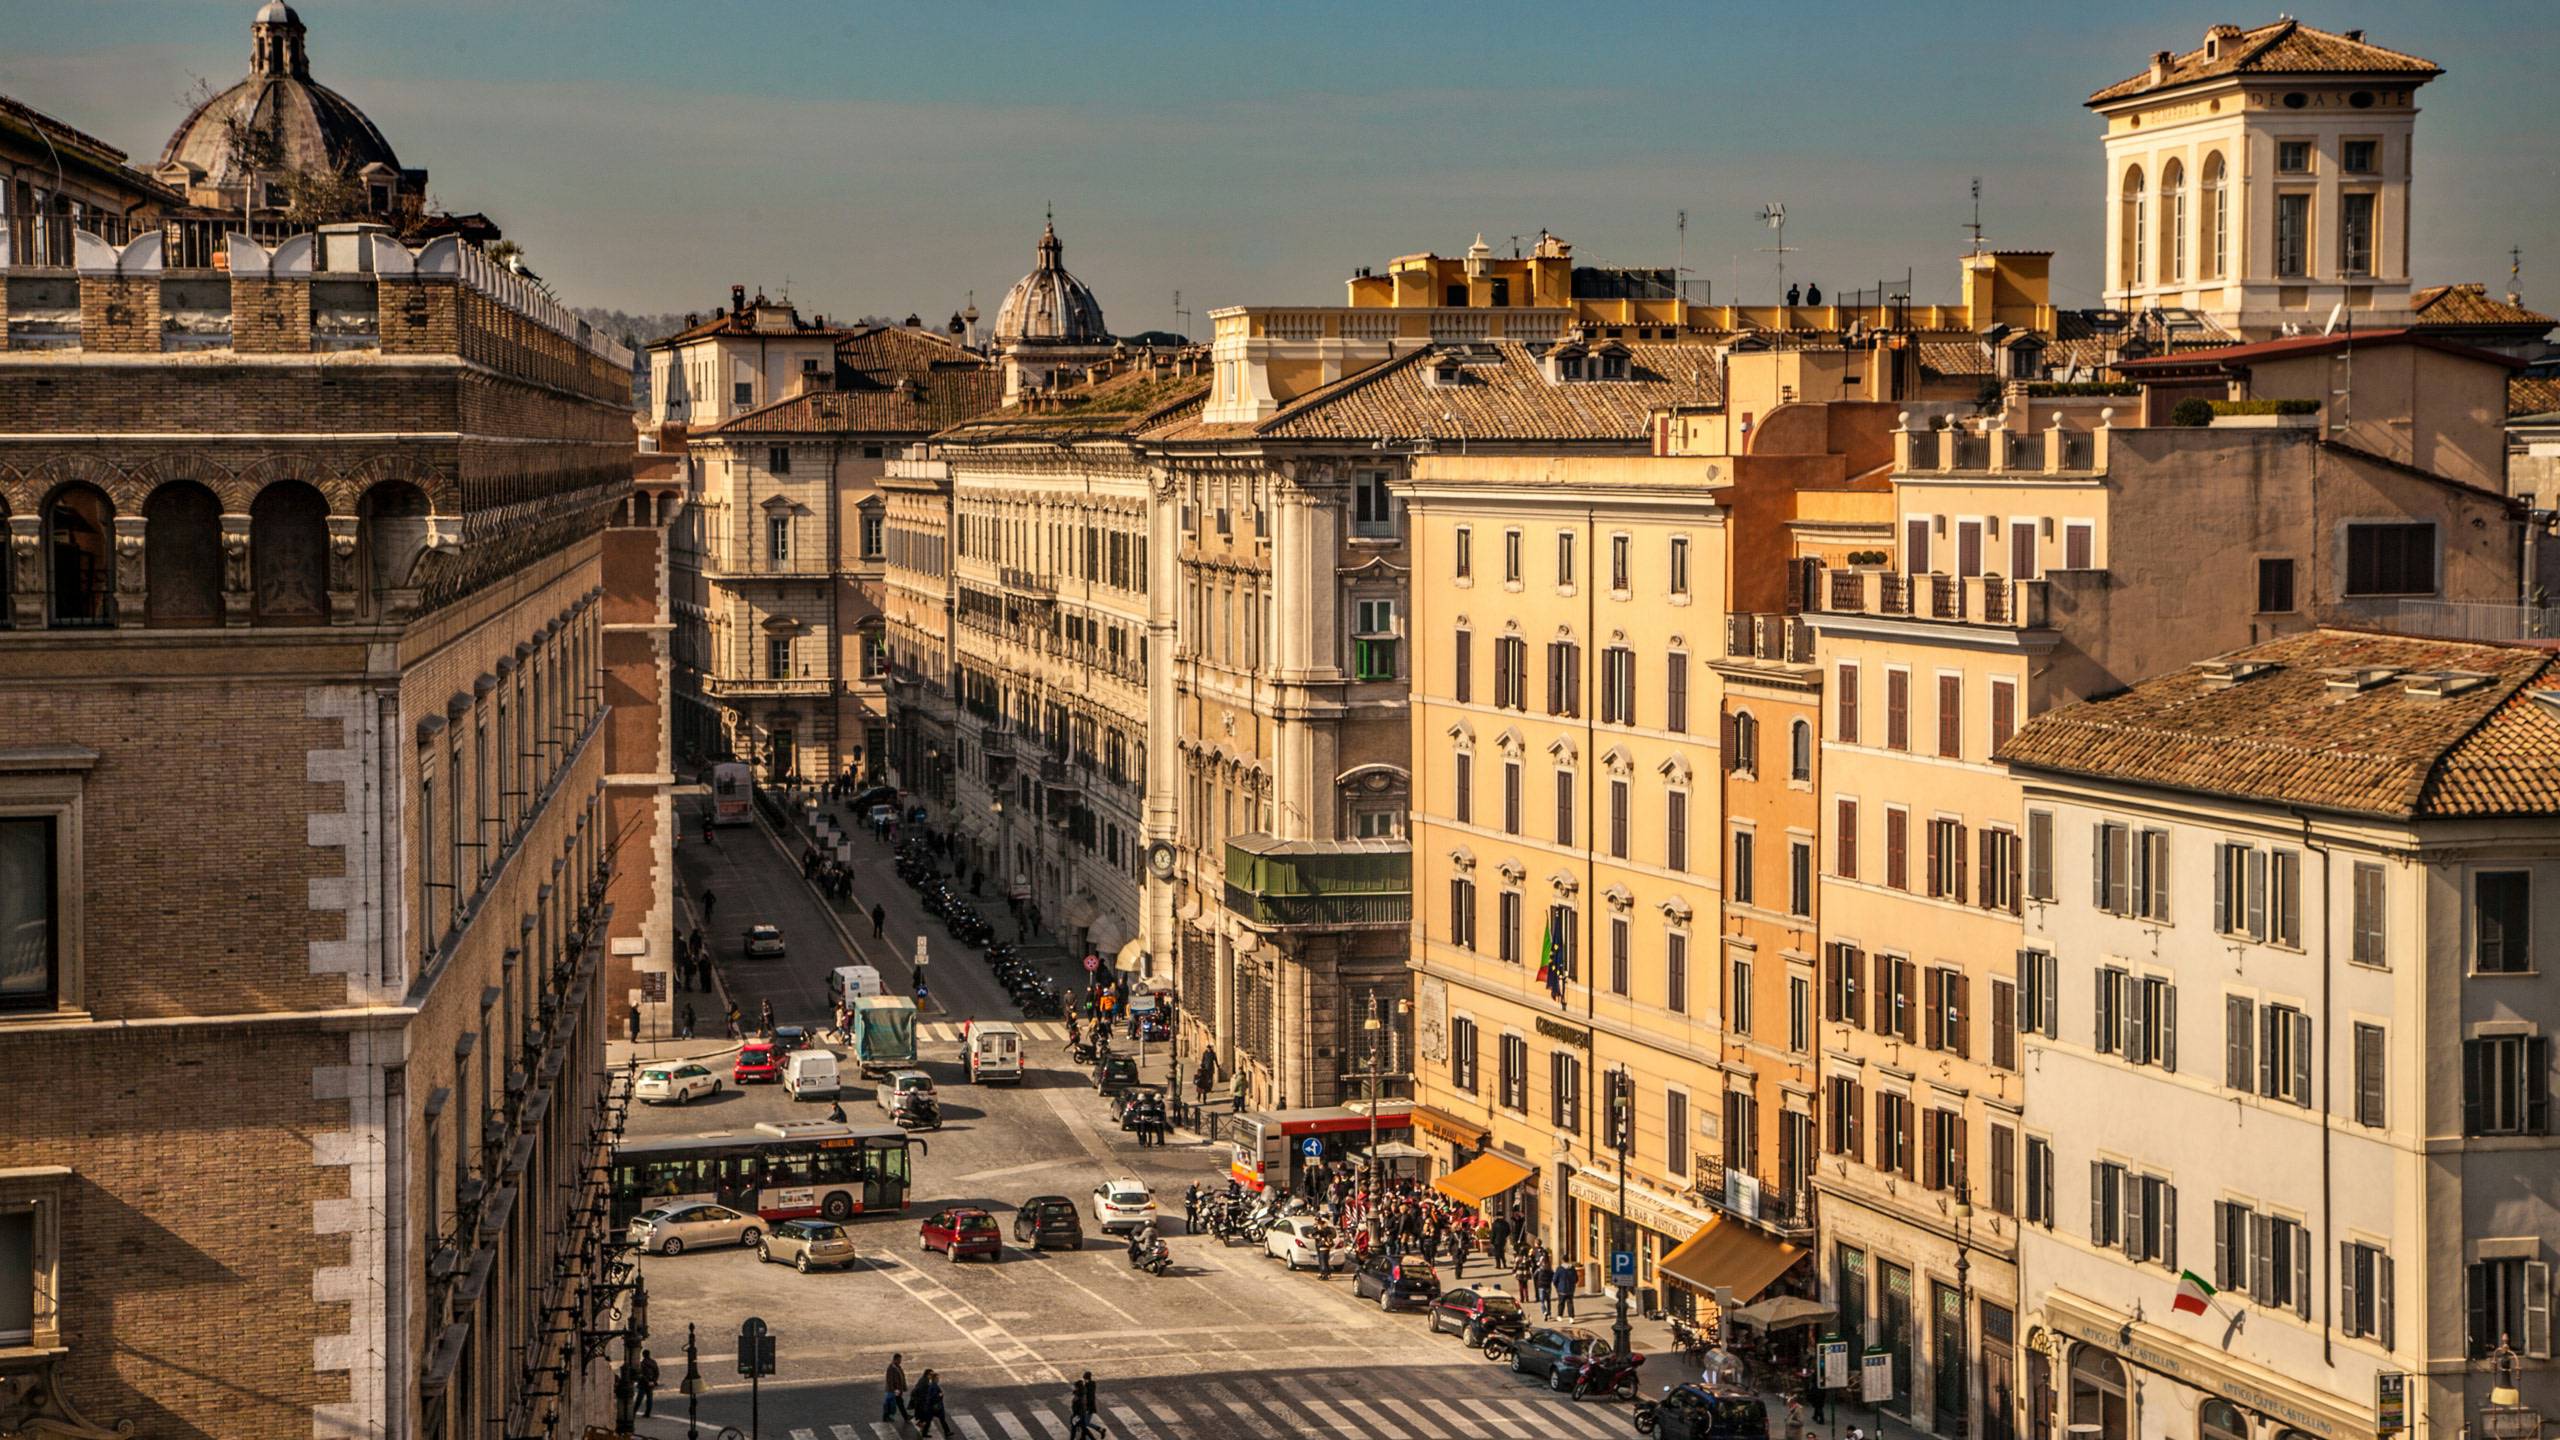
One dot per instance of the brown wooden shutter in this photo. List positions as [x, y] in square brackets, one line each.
[1933, 990]
[1955, 835]
[1937, 836]
[1960, 1013]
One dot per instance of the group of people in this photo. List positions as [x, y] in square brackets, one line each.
[923, 1404]
[833, 877]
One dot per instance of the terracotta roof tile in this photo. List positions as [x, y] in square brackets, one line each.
[1502, 393]
[2532, 395]
[1133, 400]
[2289, 736]
[2287, 47]
[2472, 304]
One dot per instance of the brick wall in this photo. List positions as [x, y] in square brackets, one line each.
[120, 314]
[270, 317]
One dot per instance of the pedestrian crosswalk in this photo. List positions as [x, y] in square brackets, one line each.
[1251, 1405]
[947, 1032]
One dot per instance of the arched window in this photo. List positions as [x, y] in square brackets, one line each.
[391, 533]
[2173, 222]
[2219, 1419]
[79, 525]
[1800, 751]
[2098, 1410]
[2132, 232]
[2217, 219]
[182, 555]
[289, 555]
[1742, 743]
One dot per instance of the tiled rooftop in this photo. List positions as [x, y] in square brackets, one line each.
[2472, 304]
[2340, 720]
[2286, 47]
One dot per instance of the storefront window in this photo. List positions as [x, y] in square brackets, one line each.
[2097, 1395]
[2218, 1419]
[1893, 1316]
[1946, 1349]
[1849, 1292]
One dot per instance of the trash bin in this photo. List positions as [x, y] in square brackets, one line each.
[1649, 1300]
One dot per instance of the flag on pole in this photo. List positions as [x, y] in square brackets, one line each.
[2194, 1296]
[1551, 960]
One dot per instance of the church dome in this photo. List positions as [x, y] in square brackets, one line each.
[1050, 306]
[315, 129]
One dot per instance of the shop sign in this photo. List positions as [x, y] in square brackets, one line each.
[1558, 1030]
[2391, 1401]
[1643, 1207]
[2201, 1373]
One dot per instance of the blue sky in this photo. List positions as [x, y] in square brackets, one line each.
[895, 155]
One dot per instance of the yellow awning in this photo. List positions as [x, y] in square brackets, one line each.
[1482, 1178]
[1728, 1253]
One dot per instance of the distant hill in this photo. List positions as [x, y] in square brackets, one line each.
[637, 329]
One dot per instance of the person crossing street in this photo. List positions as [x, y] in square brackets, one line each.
[1082, 1402]
[893, 1390]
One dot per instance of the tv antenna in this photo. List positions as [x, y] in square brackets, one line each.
[1181, 316]
[1774, 215]
[1976, 225]
[1680, 273]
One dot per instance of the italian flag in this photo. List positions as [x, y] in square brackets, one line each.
[2194, 1296]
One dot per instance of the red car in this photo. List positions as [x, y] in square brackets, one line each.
[962, 1232]
[757, 1060]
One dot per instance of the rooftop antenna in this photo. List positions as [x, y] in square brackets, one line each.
[1515, 247]
[1680, 274]
[786, 288]
[1774, 215]
[1976, 225]
[1181, 317]
[2515, 274]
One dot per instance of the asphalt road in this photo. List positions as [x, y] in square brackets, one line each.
[1227, 1344]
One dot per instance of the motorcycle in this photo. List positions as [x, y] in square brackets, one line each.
[1083, 1052]
[1498, 1347]
[1157, 1260]
[1644, 1413]
[918, 1112]
[1607, 1375]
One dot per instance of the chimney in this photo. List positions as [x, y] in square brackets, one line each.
[737, 300]
[2355, 35]
[2159, 67]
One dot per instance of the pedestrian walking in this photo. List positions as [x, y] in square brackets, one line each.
[879, 922]
[1498, 1239]
[648, 1380]
[1191, 1208]
[925, 1405]
[764, 1016]
[1566, 1277]
[893, 1390]
[688, 1020]
[1459, 1245]
[709, 903]
[631, 1024]
[1082, 1402]
[1546, 1282]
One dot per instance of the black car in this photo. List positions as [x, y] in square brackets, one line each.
[1540, 1351]
[1049, 1222]
[1115, 1073]
[1396, 1281]
[1697, 1412]
[1474, 1314]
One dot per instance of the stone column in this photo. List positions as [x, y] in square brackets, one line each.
[26, 565]
[235, 570]
[132, 602]
[345, 585]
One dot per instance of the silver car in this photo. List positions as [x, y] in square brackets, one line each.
[806, 1245]
[674, 1229]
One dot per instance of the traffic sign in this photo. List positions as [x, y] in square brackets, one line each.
[920, 955]
[1622, 1267]
[1092, 962]
[1311, 1147]
[755, 1348]
[1142, 1004]
[1835, 1364]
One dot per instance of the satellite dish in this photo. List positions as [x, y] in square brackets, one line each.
[2336, 313]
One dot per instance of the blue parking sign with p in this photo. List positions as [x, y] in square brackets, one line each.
[1622, 1267]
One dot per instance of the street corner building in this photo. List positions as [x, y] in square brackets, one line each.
[303, 857]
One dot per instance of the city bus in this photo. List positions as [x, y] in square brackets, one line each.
[779, 1169]
[733, 793]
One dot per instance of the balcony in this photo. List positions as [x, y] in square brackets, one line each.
[1785, 639]
[2056, 450]
[1990, 600]
[1285, 884]
[720, 687]
[1029, 584]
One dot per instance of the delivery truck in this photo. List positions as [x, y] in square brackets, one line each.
[884, 1032]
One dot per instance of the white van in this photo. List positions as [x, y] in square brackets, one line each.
[848, 981]
[811, 1075]
[995, 1051]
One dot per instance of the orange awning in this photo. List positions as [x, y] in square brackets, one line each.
[1482, 1178]
[1728, 1254]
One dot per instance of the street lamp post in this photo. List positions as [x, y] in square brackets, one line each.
[1621, 1087]
[1964, 1268]
[1370, 1028]
[692, 1386]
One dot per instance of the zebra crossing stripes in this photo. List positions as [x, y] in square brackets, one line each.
[947, 1032]
[1248, 1405]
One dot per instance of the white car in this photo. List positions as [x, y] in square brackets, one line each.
[899, 1084]
[674, 1084]
[1294, 1240]
[763, 940]
[1122, 1204]
[674, 1229]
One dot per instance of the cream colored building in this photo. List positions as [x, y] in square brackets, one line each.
[916, 604]
[2263, 178]
[789, 525]
[2055, 553]
[2297, 1045]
